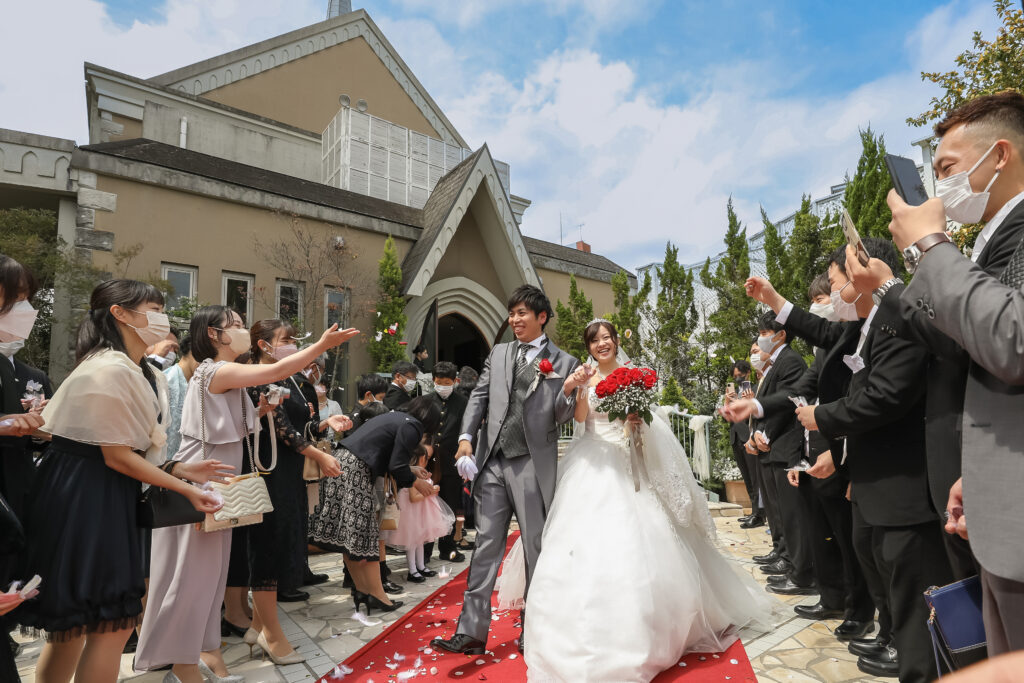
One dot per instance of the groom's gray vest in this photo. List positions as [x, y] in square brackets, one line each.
[512, 437]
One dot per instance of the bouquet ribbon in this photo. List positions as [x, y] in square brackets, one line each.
[636, 455]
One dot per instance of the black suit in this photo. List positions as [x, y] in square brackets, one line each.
[17, 469]
[947, 380]
[882, 418]
[396, 397]
[786, 447]
[739, 433]
[446, 443]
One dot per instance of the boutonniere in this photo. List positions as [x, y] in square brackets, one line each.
[545, 370]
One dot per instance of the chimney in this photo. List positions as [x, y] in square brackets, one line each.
[583, 246]
[338, 7]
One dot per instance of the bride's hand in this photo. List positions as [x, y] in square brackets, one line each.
[578, 378]
[634, 420]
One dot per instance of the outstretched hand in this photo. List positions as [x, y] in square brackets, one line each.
[332, 336]
[737, 411]
[760, 289]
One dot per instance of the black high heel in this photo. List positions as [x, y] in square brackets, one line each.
[375, 602]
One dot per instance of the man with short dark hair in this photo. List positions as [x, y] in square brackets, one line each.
[370, 387]
[739, 434]
[446, 443]
[403, 384]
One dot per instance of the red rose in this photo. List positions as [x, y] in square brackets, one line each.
[545, 366]
[635, 375]
[650, 379]
[601, 389]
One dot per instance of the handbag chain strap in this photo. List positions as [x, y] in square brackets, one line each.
[254, 461]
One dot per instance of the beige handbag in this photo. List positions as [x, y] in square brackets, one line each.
[389, 518]
[246, 497]
[311, 472]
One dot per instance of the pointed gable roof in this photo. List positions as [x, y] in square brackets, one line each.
[448, 204]
[230, 67]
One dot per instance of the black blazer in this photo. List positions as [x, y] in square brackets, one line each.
[396, 397]
[739, 434]
[948, 364]
[882, 418]
[17, 469]
[446, 441]
[385, 444]
[786, 436]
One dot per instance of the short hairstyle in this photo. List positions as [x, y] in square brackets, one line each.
[404, 367]
[425, 410]
[370, 382]
[881, 249]
[446, 370]
[205, 318]
[370, 411]
[819, 287]
[321, 361]
[593, 329]
[265, 330]
[420, 348]
[534, 299]
[15, 280]
[743, 366]
[467, 379]
[766, 321]
[1001, 115]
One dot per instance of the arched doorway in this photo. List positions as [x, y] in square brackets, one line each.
[460, 342]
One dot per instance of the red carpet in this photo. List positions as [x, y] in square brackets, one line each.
[410, 638]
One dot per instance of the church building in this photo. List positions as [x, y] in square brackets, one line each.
[269, 179]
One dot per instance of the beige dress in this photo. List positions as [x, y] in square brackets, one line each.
[189, 567]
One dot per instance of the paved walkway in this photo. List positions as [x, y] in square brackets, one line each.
[324, 630]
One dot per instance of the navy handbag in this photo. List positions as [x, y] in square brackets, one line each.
[955, 623]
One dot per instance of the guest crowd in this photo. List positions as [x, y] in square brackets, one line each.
[114, 489]
[892, 464]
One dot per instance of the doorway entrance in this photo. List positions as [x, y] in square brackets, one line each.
[460, 342]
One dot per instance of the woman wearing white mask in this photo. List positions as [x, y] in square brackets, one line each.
[187, 561]
[107, 423]
[17, 317]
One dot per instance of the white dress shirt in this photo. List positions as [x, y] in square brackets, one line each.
[990, 228]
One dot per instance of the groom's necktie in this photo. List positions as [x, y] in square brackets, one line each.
[520, 360]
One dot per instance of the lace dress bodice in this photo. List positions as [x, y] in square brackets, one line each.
[598, 426]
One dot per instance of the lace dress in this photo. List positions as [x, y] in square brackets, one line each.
[629, 581]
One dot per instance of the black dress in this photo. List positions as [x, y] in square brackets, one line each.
[277, 547]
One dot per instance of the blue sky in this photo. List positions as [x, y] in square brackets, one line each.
[634, 117]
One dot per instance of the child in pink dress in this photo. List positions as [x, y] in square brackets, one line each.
[422, 519]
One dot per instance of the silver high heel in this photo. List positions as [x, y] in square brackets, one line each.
[250, 639]
[294, 658]
[207, 673]
[171, 678]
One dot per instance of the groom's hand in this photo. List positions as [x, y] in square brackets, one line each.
[465, 449]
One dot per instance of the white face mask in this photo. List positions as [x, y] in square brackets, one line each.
[17, 323]
[409, 386]
[756, 361]
[8, 349]
[170, 358]
[158, 326]
[962, 203]
[841, 309]
[765, 343]
[826, 311]
[444, 390]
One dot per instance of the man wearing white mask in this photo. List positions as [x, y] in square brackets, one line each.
[453, 406]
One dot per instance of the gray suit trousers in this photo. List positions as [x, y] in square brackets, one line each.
[504, 486]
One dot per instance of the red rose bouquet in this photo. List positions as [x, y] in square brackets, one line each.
[627, 391]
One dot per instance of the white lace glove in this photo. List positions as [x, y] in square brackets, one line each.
[466, 467]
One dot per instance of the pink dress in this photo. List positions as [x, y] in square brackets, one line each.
[419, 523]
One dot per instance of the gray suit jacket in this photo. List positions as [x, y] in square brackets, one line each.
[986, 318]
[544, 410]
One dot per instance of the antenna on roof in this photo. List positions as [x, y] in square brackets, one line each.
[580, 228]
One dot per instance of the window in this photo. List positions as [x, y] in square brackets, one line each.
[183, 283]
[288, 301]
[335, 307]
[236, 292]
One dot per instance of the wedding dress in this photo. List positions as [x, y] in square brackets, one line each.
[629, 581]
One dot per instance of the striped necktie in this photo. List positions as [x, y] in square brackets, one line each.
[520, 360]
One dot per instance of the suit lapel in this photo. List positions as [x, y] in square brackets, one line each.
[509, 364]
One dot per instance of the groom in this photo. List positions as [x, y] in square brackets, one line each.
[517, 454]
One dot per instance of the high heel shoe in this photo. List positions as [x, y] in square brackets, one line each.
[171, 678]
[207, 673]
[375, 602]
[229, 629]
[292, 658]
[359, 598]
[249, 638]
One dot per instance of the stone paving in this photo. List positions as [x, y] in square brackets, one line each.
[323, 627]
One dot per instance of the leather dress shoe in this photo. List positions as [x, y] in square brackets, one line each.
[455, 556]
[776, 567]
[293, 595]
[872, 647]
[460, 643]
[818, 611]
[391, 587]
[311, 579]
[744, 518]
[766, 559]
[790, 588]
[777, 579]
[884, 665]
[850, 629]
[753, 523]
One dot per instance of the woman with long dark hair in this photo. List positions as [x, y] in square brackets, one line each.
[107, 423]
[348, 519]
[189, 566]
[277, 547]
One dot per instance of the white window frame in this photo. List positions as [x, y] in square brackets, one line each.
[327, 304]
[300, 289]
[229, 275]
[191, 271]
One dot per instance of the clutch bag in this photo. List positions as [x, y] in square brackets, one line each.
[158, 508]
[955, 623]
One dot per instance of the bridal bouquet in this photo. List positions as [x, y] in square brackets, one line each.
[627, 391]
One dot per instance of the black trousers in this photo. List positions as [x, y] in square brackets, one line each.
[961, 559]
[909, 559]
[770, 490]
[795, 528]
[743, 462]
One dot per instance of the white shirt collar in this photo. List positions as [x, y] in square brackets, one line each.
[776, 352]
[536, 343]
[990, 228]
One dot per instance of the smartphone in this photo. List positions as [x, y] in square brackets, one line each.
[853, 238]
[730, 388]
[906, 180]
[745, 386]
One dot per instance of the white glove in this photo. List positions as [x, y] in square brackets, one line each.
[466, 467]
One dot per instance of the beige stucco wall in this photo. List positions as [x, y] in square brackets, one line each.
[556, 286]
[467, 256]
[217, 236]
[304, 92]
[132, 128]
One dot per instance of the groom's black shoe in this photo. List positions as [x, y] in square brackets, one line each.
[460, 643]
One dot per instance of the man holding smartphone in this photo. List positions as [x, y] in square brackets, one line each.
[739, 434]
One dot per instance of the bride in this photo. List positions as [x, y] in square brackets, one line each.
[629, 581]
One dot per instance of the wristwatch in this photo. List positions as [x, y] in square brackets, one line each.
[912, 254]
[877, 295]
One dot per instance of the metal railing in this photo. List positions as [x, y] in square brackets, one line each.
[680, 420]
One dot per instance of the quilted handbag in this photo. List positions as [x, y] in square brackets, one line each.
[391, 514]
[955, 623]
[246, 498]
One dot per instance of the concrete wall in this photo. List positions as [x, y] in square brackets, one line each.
[304, 92]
